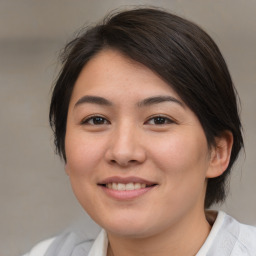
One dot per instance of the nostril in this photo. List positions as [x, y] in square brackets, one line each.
[123, 162]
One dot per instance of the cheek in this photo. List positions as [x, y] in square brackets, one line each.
[82, 160]
[183, 163]
[83, 153]
[181, 155]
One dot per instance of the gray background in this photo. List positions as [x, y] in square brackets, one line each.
[35, 196]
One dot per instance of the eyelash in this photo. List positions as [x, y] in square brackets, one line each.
[162, 119]
[99, 120]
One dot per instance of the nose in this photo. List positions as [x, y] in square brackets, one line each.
[126, 147]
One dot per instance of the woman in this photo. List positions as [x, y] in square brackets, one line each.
[145, 116]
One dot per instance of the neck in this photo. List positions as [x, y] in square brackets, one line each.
[185, 238]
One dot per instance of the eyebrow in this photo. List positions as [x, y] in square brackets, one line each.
[146, 102]
[159, 99]
[93, 99]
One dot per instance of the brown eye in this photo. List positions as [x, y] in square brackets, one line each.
[159, 120]
[95, 120]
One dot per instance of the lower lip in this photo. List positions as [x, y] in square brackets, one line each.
[126, 194]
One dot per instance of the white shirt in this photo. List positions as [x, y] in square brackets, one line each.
[227, 238]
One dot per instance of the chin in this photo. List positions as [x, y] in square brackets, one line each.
[128, 227]
[129, 232]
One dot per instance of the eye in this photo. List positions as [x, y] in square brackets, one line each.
[95, 120]
[159, 120]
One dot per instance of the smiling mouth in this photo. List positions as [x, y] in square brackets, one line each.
[126, 187]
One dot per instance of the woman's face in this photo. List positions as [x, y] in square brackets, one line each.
[137, 156]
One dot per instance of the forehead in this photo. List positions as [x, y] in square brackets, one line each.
[111, 73]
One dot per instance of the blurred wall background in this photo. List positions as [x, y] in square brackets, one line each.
[36, 201]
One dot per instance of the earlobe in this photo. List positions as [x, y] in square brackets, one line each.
[220, 154]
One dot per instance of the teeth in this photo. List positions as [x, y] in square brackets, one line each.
[128, 186]
[138, 185]
[120, 186]
[114, 186]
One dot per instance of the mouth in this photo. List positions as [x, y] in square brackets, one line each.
[126, 186]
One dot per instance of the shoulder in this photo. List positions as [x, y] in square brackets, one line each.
[41, 248]
[76, 240]
[246, 240]
[234, 238]
[63, 244]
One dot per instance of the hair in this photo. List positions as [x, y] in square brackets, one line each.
[181, 53]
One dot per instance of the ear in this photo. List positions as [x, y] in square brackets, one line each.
[220, 154]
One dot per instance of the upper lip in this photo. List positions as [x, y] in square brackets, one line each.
[126, 180]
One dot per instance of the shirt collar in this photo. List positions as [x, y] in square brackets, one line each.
[100, 245]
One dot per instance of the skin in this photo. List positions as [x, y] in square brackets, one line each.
[128, 140]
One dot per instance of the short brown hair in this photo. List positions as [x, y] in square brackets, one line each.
[180, 52]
